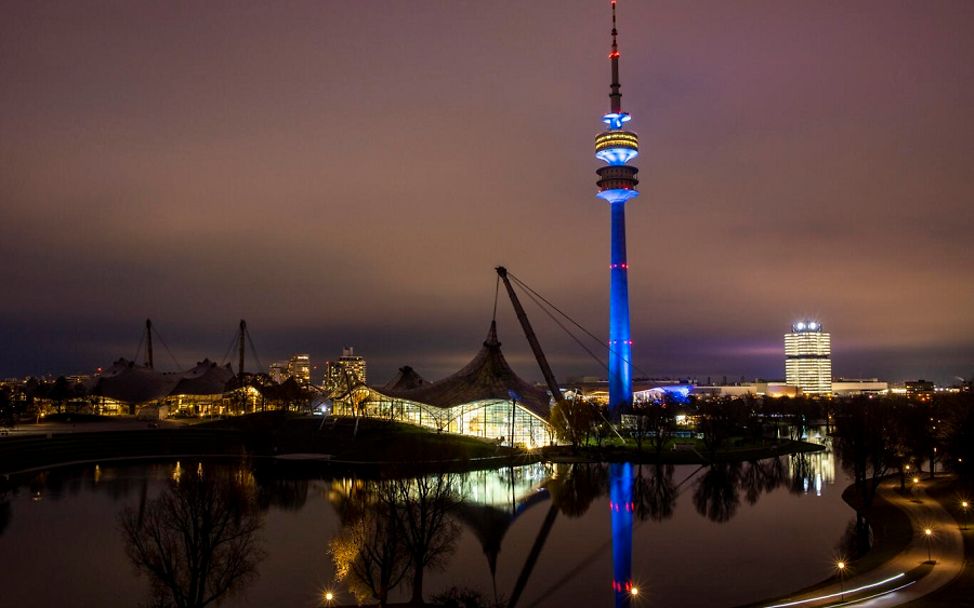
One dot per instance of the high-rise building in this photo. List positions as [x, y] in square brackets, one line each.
[299, 368]
[344, 373]
[278, 371]
[617, 184]
[808, 358]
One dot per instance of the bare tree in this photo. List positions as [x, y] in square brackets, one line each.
[573, 420]
[654, 494]
[429, 535]
[396, 531]
[369, 554]
[197, 542]
[715, 496]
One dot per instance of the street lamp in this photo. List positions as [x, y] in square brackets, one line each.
[329, 597]
[841, 566]
[965, 505]
[929, 534]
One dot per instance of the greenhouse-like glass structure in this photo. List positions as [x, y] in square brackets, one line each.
[484, 399]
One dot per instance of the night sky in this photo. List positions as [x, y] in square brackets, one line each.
[349, 173]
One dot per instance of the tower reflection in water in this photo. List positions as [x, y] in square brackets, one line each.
[622, 507]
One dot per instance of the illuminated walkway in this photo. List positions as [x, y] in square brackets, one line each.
[945, 544]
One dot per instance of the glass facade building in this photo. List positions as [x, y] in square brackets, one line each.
[808, 358]
[484, 399]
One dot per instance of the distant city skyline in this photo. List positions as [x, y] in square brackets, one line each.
[350, 174]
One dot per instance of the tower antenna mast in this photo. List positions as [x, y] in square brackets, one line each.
[617, 184]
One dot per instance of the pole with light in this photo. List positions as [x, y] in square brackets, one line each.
[840, 565]
[928, 533]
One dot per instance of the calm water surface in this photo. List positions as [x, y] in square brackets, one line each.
[717, 536]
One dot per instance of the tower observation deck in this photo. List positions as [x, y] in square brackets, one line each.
[617, 184]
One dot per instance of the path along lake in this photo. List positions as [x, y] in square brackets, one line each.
[273, 534]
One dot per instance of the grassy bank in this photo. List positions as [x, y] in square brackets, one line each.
[368, 442]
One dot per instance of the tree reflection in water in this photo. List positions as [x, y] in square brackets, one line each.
[197, 542]
[718, 492]
[394, 530]
[762, 477]
[574, 487]
[801, 473]
[369, 554]
[654, 493]
[715, 496]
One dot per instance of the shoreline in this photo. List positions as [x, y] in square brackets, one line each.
[335, 443]
[895, 536]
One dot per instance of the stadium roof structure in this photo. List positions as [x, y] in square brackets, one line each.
[130, 383]
[407, 378]
[487, 377]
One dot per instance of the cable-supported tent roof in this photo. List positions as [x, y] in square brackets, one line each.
[130, 383]
[488, 376]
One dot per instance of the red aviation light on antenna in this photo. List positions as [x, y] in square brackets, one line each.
[614, 55]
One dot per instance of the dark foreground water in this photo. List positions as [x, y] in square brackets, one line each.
[266, 535]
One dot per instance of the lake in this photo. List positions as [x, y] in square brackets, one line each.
[264, 533]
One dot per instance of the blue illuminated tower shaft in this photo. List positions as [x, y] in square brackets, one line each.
[620, 342]
[617, 184]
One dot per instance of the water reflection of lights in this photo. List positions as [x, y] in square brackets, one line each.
[498, 487]
[816, 469]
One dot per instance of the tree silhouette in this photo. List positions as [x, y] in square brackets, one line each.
[574, 420]
[574, 487]
[397, 530]
[760, 477]
[715, 496]
[863, 442]
[429, 536]
[197, 542]
[654, 493]
[369, 554]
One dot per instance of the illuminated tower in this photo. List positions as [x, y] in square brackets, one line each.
[617, 184]
[808, 358]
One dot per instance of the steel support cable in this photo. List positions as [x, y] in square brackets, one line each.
[566, 330]
[497, 288]
[226, 355]
[574, 322]
[166, 346]
[555, 308]
[253, 350]
[138, 350]
[577, 341]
